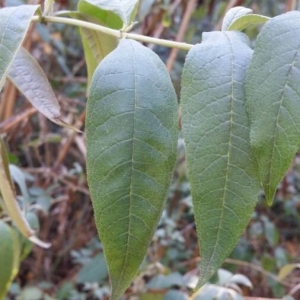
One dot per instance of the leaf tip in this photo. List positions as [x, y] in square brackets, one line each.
[270, 200]
[270, 193]
[206, 272]
[115, 294]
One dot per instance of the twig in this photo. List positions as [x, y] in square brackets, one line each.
[67, 145]
[256, 268]
[158, 32]
[113, 32]
[182, 29]
[295, 289]
[13, 121]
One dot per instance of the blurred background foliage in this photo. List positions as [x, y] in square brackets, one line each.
[48, 165]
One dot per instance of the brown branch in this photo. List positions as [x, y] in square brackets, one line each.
[182, 29]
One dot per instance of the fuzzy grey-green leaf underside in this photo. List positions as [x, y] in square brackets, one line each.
[14, 23]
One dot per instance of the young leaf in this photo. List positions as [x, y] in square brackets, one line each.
[272, 91]
[6, 258]
[233, 14]
[14, 23]
[247, 20]
[31, 81]
[131, 151]
[125, 9]
[96, 44]
[221, 169]
[103, 16]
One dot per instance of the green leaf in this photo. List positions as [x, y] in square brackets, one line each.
[131, 151]
[14, 23]
[94, 271]
[238, 18]
[19, 178]
[221, 167]
[233, 14]
[6, 258]
[245, 21]
[161, 281]
[125, 9]
[175, 295]
[31, 81]
[272, 91]
[96, 44]
[152, 296]
[103, 16]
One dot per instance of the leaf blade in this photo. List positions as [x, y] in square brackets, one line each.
[11, 205]
[6, 258]
[96, 44]
[14, 23]
[244, 21]
[125, 9]
[31, 80]
[272, 99]
[105, 17]
[221, 167]
[233, 14]
[131, 150]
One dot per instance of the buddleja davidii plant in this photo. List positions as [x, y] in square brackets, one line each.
[240, 123]
[132, 132]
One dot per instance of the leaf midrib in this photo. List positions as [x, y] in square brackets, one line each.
[228, 153]
[131, 170]
[2, 37]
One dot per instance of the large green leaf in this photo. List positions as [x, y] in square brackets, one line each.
[131, 151]
[6, 258]
[124, 9]
[14, 23]
[272, 90]
[215, 126]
